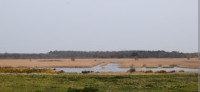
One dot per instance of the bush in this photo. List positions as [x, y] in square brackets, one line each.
[173, 71]
[132, 69]
[85, 72]
[173, 65]
[144, 65]
[161, 71]
[61, 71]
[149, 71]
[181, 71]
[72, 59]
[136, 58]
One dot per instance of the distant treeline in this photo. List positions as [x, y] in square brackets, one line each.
[99, 54]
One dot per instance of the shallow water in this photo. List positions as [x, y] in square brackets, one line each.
[113, 67]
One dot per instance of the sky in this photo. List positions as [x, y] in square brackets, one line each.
[40, 26]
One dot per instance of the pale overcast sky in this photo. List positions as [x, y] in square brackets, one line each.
[34, 26]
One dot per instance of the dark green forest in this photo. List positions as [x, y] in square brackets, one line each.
[98, 54]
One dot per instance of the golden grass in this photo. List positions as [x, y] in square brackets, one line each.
[26, 70]
[125, 62]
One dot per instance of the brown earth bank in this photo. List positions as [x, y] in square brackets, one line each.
[124, 62]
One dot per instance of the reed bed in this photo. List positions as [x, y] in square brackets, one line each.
[81, 63]
[25, 70]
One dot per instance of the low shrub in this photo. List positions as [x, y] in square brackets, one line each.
[149, 71]
[61, 71]
[161, 71]
[173, 65]
[85, 72]
[131, 70]
[72, 59]
[144, 65]
[173, 71]
[159, 65]
[181, 71]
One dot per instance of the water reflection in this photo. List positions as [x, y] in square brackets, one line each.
[113, 67]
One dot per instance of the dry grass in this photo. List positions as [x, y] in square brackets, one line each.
[167, 62]
[125, 62]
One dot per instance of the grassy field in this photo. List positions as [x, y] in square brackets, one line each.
[124, 62]
[98, 83]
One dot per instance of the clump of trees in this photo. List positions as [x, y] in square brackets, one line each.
[98, 54]
[135, 56]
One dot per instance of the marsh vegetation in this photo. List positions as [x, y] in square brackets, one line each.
[98, 83]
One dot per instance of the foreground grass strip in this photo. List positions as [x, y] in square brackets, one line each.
[97, 83]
